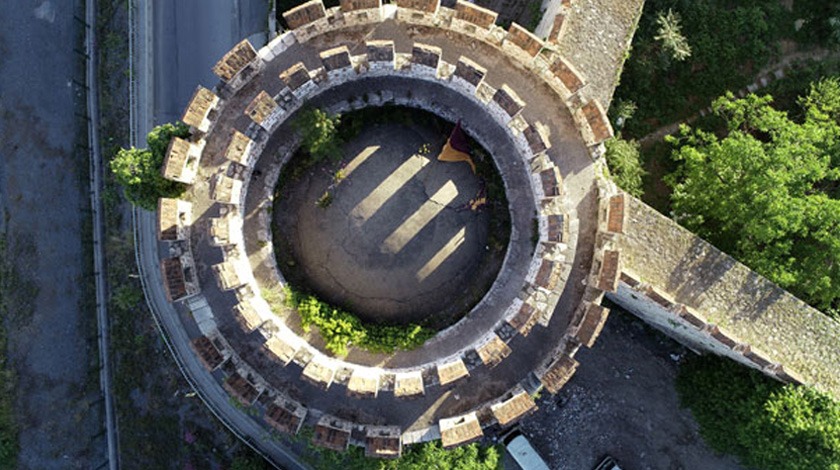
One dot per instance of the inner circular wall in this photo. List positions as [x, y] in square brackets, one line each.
[449, 105]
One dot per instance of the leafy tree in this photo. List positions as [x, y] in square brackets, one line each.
[138, 171]
[319, 131]
[821, 22]
[729, 41]
[767, 192]
[625, 167]
[671, 36]
[766, 424]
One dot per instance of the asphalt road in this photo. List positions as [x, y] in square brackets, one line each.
[190, 36]
[42, 196]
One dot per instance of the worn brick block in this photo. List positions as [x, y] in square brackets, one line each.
[380, 51]
[567, 74]
[597, 119]
[304, 14]
[335, 58]
[470, 71]
[524, 39]
[428, 6]
[235, 60]
[508, 100]
[295, 76]
[354, 5]
[423, 54]
[475, 14]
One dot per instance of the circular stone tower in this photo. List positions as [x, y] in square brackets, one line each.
[404, 212]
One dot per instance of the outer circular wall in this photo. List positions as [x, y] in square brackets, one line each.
[540, 310]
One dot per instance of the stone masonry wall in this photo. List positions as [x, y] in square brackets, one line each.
[704, 298]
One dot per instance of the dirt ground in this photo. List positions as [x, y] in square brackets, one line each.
[622, 402]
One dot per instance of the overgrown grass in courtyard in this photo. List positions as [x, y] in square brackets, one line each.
[341, 329]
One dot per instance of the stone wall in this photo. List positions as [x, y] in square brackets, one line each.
[704, 298]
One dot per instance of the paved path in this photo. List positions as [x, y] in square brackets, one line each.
[763, 79]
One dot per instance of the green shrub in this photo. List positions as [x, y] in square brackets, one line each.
[625, 166]
[765, 424]
[426, 456]
[319, 132]
[340, 329]
[138, 171]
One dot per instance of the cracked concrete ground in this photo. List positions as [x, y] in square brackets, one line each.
[399, 242]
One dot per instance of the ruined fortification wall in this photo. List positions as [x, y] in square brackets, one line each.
[704, 298]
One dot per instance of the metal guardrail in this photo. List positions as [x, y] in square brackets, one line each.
[102, 320]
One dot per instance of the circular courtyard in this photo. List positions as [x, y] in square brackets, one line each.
[387, 231]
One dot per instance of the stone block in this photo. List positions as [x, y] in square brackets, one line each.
[524, 39]
[597, 120]
[304, 14]
[355, 5]
[471, 13]
[335, 58]
[423, 54]
[427, 6]
[235, 60]
[567, 74]
[469, 71]
[380, 51]
[295, 76]
[508, 100]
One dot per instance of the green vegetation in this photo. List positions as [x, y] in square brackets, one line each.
[669, 34]
[425, 456]
[764, 423]
[821, 26]
[319, 132]
[138, 171]
[768, 190]
[729, 42]
[341, 329]
[535, 14]
[8, 426]
[625, 166]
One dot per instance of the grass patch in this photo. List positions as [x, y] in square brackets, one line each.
[9, 303]
[426, 456]
[341, 329]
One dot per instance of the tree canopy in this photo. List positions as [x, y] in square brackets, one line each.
[768, 190]
[766, 424]
[138, 171]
